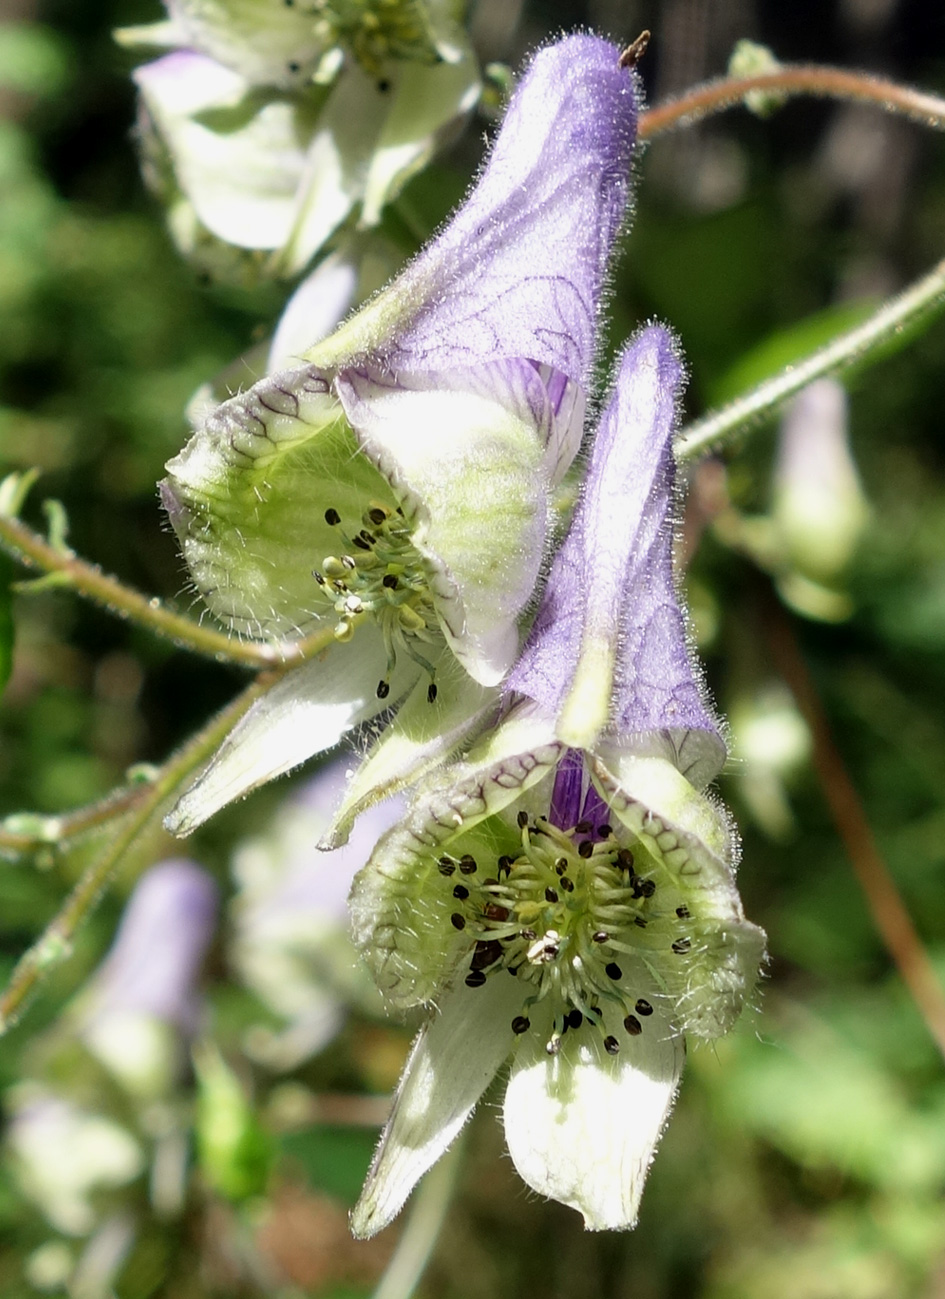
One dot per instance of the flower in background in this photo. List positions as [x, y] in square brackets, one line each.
[142, 1005]
[819, 511]
[772, 746]
[572, 849]
[268, 124]
[63, 1156]
[137, 1015]
[290, 944]
[412, 462]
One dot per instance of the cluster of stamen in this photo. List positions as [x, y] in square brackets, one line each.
[381, 574]
[560, 916]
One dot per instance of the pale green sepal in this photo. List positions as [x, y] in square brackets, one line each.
[421, 735]
[306, 712]
[400, 913]
[687, 836]
[429, 98]
[453, 1060]
[479, 496]
[582, 1126]
[247, 497]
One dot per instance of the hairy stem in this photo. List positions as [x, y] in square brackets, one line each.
[823, 82]
[923, 298]
[88, 580]
[54, 944]
[27, 832]
[889, 913]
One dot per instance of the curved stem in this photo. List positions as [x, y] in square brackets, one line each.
[924, 297]
[825, 82]
[88, 580]
[54, 944]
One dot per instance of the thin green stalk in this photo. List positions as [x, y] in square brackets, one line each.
[924, 298]
[88, 580]
[26, 832]
[422, 1231]
[792, 79]
[55, 943]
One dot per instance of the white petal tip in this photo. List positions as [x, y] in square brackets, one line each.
[366, 1221]
[180, 823]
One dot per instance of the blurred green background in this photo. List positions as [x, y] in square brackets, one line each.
[806, 1157]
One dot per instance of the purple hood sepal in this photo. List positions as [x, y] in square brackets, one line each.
[612, 580]
[154, 964]
[518, 273]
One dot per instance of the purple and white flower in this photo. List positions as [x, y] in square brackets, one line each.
[573, 849]
[412, 460]
[143, 1006]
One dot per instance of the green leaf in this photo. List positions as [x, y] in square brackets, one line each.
[334, 1160]
[786, 346]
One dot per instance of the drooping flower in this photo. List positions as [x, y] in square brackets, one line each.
[136, 1015]
[819, 510]
[572, 849]
[143, 1005]
[267, 124]
[411, 461]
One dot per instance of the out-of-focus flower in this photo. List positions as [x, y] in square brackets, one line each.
[572, 849]
[63, 1155]
[142, 1005]
[413, 462]
[291, 945]
[819, 511]
[267, 124]
[234, 1151]
[771, 744]
[136, 1016]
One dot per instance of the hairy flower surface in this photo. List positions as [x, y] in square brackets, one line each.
[565, 893]
[399, 483]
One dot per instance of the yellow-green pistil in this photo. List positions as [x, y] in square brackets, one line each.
[382, 574]
[560, 916]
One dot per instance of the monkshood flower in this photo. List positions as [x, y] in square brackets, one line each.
[819, 509]
[267, 125]
[410, 463]
[564, 894]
